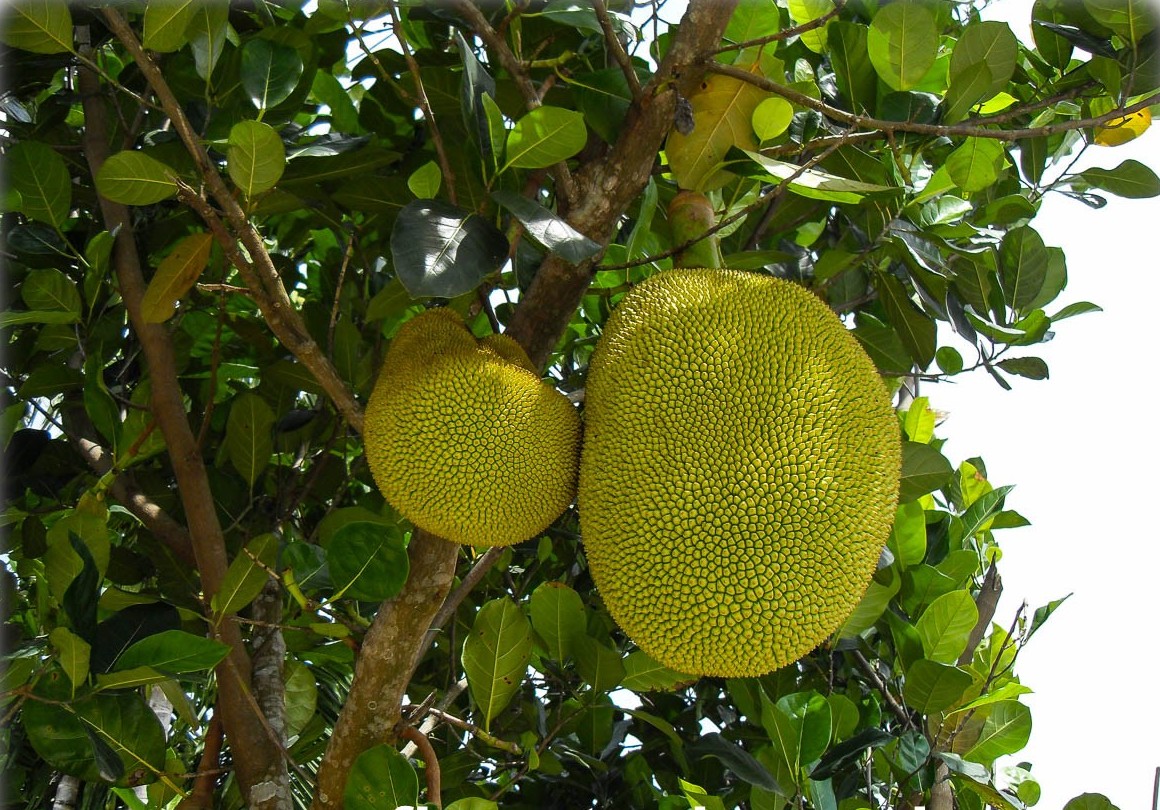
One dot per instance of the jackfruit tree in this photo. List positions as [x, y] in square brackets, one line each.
[378, 432]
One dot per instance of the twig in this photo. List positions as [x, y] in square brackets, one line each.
[338, 297]
[434, 789]
[477, 732]
[618, 52]
[871, 675]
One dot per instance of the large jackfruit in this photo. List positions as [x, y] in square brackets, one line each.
[739, 473]
[465, 439]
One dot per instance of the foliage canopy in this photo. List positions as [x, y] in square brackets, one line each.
[217, 218]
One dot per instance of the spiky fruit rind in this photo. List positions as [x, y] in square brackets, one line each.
[465, 440]
[739, 474]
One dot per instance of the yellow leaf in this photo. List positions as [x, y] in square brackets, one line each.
[722, 118]
[175, 275]
[1121, 130]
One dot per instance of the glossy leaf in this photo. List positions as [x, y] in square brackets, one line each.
[799, 728]
[851, 62]
[814, 183]
[495, 655]
[175, 275]
[924, 470]
[548, 230]
[246, 576]
[902, 43]
[38, 173]
[441, 250]
[643, 674]
[600, 666]
[908, 538]
[368, 560]
[270, 72]
[914, 329]
[736, 759]
[249, 435]
[1033, 368]
[381, 779]
[1130, 179]
[932, 687]
[255, 157]
[945, 626]
[1023, 261]
[976, 164]
[804, 11]
[989, 43]
[39, 26]
[558, 618]
[1005, 731]
[1131, 19]
[134, 178]
[545, 136]
[174, 652]
[207, 36]
[166, 22]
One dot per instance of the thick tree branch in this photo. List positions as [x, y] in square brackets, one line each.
[607, 187]
[279, 312]
[256, 760]
[430, 759]
[269, 657]
[978, 128]
[389, 654]
[986, 602]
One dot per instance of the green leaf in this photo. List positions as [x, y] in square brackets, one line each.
[908, 538]
[166, 22]
[1023, 261]
[931, 687]
[545, 136]
[804, 11]
[948, 359]
[424, 182]
[381, 779]
[852, 750]
[548, 230]
[1042, 614]
[799, 727]
[1131, 19]
[978, 516]
[440, 250]
[945, 626]
[643, 674]
[135, 178]
[249, 435]
[472, 803]
[255, 157]
[924, 470]
[73, 653]
[175, 275]
[1090, 801]
[207, 36]
[603, 96]
[851, 62]
[558, 618]
[870, 608]
[80, 597]
[815, 183]
[270, 72]
[1033, 368]
[600, 666]
[301, 696]
[367, 560]
[1005, 731]
[38, 173]
[915, 329]
[976, 164]
[474, 86]
[1130, 179]
[496, 132]
[174, 652]
[902, 43]
[987, 43]
[735, 758]
[496, 655]
[772, 117]
[967, 89]
[246, 576]
[130, 678]
[48, 290]
[752, 19]
[39, 26]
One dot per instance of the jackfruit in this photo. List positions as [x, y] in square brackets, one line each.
[465, 439]
[739, 473]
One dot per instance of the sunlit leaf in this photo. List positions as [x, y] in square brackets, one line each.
[175, 275]
[39, 26]
[495, 655]
[255, 157]
[441, 250]
[135, 178]
[902, 43]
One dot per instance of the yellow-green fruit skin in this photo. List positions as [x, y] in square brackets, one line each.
[464, 439]
[739, 473]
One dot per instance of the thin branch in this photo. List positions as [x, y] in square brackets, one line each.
[618, 52]
[277, 309]
[786, 33]
[977, 129]
[427, 752]
[872, 675]
[451, 603]
[477, 732]
[334, 309]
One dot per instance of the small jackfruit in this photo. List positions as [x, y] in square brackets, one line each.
[465, 439]
[739, 473]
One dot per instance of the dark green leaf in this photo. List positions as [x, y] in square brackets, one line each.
[249, 435]
[38, 173]
[39, 26]
[849, 752]
[643, 674]
[207, 36]
[246, 576]
[1033, 368]
[174, 652]
[270, 72]
[601, 667]
[1130, 179]
[851, 62]
[1078, 308]
[48, 290]
[735, 758]
[1042, 614]
[988, 43]
[80, 598]
[949, 359]
[915, 329]
[924, 470]
[1090, 801]
[987, 505]
[125, 627]
[1023, 261]
[440, 250]
[544, 136]
[368, 560]
[548, 230]
[381, 779]
[475, 84]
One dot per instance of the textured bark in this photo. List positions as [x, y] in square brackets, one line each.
[389, 654]
[256, 758]
[268, 654]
